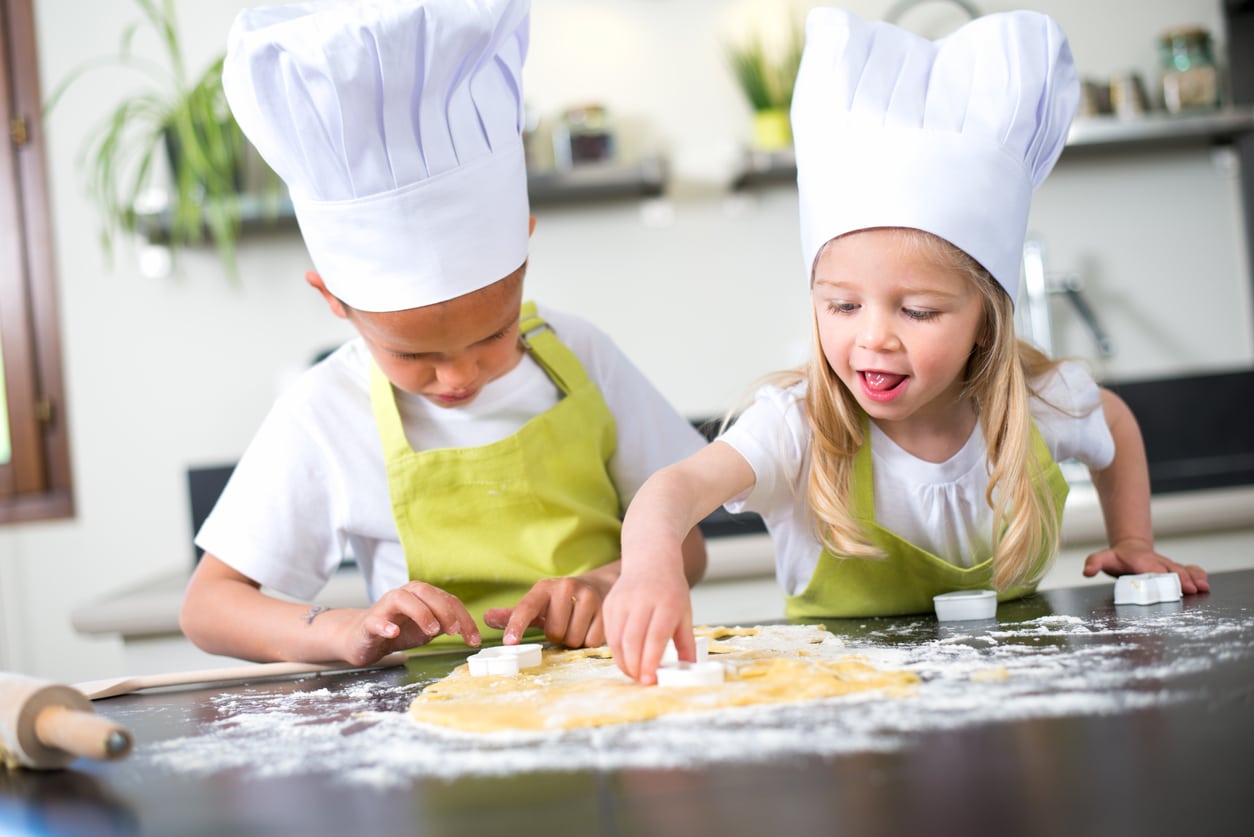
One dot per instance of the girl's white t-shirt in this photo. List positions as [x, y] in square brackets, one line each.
[311, 486]
[937, 506]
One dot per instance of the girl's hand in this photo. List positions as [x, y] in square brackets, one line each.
[402, 618]
[568, 609]
[1131, 557]
[642, 613]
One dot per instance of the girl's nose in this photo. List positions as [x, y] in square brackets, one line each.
[876, 332]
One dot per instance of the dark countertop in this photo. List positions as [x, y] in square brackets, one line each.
[1067, 715]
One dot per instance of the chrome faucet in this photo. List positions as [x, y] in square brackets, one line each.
[1039, 286]
[894, 14]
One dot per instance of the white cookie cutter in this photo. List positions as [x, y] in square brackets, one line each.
[690, 674]
[1147, 588]
[504, 660]
[963, 605]
[671, 656]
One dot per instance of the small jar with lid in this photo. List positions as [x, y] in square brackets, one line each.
[1190, 77]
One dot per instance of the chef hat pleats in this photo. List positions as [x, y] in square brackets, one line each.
[397, 127]
[949, 136]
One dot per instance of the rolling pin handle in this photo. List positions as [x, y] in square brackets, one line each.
[81, 733]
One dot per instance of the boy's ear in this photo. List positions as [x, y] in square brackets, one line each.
[315, 281]
[531, 225]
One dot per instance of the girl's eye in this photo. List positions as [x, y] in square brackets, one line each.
[916, 314]
[842, 307]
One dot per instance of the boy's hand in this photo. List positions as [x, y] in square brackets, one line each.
[641, 615]
[406, 617]
[568, 609]
[1132, 557]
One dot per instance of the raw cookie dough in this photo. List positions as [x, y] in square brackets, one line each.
[583, 687]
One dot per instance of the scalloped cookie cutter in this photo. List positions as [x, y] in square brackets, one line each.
[504, 660]
[1147, 588]
[670, 656]
[690, 674]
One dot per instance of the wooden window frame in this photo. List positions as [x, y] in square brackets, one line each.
[35, 484]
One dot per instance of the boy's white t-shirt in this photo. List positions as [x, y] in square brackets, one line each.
[937, 506]
[311, 486]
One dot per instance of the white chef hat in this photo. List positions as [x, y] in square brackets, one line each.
[397, 126]
[950, 137]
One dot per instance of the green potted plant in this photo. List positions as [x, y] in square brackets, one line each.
[176, 118]
[767, 80]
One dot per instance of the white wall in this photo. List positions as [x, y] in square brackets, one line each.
[166, 373]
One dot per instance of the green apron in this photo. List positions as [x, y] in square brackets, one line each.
[485, 523]
[906, 579]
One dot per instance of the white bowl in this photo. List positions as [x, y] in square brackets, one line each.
[963, 605]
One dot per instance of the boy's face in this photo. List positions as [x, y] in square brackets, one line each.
[445, 352]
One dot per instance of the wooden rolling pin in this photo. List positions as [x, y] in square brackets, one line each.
[47, 726]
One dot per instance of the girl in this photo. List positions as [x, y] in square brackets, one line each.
[916, 453]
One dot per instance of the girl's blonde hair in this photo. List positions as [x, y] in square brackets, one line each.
[997, 378]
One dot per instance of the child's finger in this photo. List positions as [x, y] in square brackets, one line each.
[650, 658]
[686, 643]
[410, 605]
[453, 616]
[595, 635]
[654, 646]
[497, 617]
[1193, 579]
[383, 628]
[530, 610]
[631, 640]
[583, 610]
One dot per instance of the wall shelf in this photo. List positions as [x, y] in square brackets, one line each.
[1087, 133]
[585, 183]
[257, 212]
[589, 182]
[766, 168]
[1157, 129]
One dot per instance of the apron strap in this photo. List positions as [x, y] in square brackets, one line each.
[387, 415]
[537, 337]
[554, 357]
[862, 494]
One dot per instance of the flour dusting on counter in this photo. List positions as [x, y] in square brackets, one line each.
[357, 729]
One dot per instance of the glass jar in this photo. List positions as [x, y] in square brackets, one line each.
[1190, 78]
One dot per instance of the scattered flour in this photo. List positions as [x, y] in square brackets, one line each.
[358, 729]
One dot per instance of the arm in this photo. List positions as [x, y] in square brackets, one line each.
[650, 604]
[570, 609]
[1123, 488]
[225, 612]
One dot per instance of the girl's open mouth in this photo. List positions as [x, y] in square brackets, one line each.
[882, 386]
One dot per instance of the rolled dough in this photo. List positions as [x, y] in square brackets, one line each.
[583, 688]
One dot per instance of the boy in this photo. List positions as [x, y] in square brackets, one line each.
[509, 446]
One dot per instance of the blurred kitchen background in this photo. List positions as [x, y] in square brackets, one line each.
[662, 219]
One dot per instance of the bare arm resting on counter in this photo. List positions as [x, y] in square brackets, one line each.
[1123, 488]
[225, 612]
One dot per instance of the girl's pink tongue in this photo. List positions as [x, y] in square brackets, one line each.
[881, 381]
